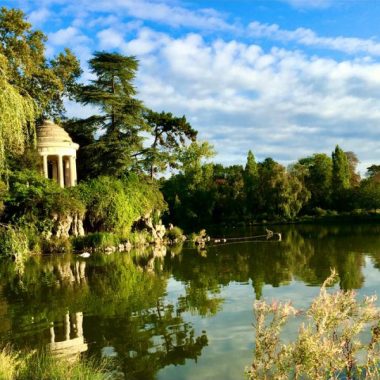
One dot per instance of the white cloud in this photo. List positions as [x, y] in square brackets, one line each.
[67, 36]
[154, 10]
[39, 17]
[307, 37]
[310, 4]
[279, 103]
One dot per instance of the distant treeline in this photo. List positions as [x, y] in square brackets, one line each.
[316, 185]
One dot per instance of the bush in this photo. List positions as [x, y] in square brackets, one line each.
[55, 245]
[8, 364]
[94, 240]
[33, 200]
[174, 235]
[115, 204]
[140, 238]
[328, 345]
[13, 242]
[320, 211]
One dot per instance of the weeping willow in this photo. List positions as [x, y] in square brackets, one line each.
[17, 115]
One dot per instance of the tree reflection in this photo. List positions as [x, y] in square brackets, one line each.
[124, 301]
[122, 298]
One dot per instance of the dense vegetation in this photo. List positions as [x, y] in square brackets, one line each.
[316, 186]
[126, 146]
[23, 366]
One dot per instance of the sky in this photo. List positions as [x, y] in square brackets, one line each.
[283, 78]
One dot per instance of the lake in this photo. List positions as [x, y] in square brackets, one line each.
[183, 313]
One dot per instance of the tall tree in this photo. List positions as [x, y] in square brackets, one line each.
[341, 178]
[46, 81]
[318, 180]
[352, 164]
[250, 183]
[170, 134]
[341, 170]
[373, 172]
[120, 121]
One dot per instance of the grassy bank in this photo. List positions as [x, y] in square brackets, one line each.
[39, 365]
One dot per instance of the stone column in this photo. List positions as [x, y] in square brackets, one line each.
[45, 163]
[66, 325]
[67, 172]
[54, 166]
[79, 324]
[61, 179]
[52, 333]
[73, 171]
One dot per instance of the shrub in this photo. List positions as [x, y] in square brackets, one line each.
[140, 238]
[13, 242]
[94, 240]
[115, 204]
[8, 363]
[175, 235]
[55, 245]
[33, 200]
[320, 211]
[328, 345]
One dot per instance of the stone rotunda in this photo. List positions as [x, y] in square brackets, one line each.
[58, 153]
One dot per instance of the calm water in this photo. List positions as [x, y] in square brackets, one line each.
[184, 314]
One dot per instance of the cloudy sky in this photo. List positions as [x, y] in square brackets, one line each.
[284, 78]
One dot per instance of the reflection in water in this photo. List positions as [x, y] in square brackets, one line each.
[73, 341]
[121, 306]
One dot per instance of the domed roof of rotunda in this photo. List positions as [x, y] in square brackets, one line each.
[51, 134]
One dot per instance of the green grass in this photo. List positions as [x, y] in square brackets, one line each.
[43, 366]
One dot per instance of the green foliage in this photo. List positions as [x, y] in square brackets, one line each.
[98, 240]
[13, 243]
[174, 235]
[251, 183]
[318, 179]
[140, 238]
[113, 205]
[3, 193]
[368, 194]
[121, 120]
[340, 177]
[42, 365]
[328, 344]
[373, 172]
[34, 200]
[37, 78]
[170, 134]
[17, 113]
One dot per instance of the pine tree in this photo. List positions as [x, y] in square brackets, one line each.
[170, 134]
[120, 121]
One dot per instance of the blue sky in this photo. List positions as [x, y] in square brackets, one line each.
[284, 78]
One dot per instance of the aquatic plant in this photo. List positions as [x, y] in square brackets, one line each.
[329, 344]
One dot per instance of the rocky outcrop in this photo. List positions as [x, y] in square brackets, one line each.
[156, 230]
[67, 225]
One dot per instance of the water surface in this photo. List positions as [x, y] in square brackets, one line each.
[184, 313]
